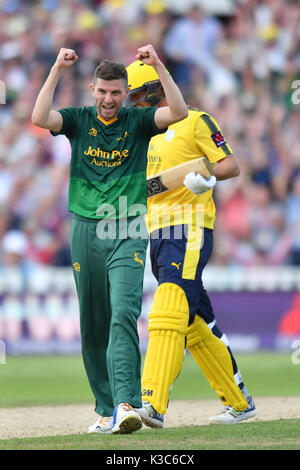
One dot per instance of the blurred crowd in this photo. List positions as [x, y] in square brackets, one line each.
[240, 68]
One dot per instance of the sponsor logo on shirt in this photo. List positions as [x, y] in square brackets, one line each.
[93, 131]
[154, 158]
[103, 158]
[76, 267]
[218, 138]
[115, 154]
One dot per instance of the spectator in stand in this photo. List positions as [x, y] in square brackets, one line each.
[256, 52]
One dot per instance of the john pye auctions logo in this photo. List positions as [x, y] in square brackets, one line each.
[97, 152]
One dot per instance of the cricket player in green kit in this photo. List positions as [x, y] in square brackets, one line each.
[107, 194]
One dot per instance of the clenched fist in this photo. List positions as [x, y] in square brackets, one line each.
[147, 55]
[65, 58]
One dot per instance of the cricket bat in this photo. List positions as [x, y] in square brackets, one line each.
[173, 177]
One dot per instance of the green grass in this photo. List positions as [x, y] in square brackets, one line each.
[59, 380]
[271, 435]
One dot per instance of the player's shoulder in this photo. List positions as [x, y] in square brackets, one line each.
[133, 111]
[73, 113]
[138, 115]
[197, 113]
[87, 110]
[196, 118]
[78, 109]
[129, 111]
[203, 119]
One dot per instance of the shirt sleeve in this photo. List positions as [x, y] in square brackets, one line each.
[69, 122]
[210, 140]
[147, 122]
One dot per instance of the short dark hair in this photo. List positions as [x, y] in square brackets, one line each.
[108, 70]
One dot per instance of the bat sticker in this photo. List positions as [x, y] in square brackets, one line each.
[155, 186]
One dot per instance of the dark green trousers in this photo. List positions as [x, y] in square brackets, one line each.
[109, 281]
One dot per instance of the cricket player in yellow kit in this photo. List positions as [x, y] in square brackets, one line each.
[181, 224]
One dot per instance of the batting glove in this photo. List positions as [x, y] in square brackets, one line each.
[197, 184]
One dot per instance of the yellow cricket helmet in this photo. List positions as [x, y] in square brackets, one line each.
[143, 77]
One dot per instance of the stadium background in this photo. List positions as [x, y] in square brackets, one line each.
[239, 62]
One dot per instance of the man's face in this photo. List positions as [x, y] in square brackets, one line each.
[109, 96]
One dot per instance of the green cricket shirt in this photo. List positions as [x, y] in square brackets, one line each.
[109, 160]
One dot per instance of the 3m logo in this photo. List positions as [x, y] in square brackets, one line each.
[93, 132]
[147, 393]
[76, 267]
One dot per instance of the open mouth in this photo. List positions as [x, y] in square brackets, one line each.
[107, 107]
[108, 111]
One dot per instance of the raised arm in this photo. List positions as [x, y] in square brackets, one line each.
[176, 109]
[42, 114]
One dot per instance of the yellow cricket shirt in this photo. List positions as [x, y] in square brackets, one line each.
[196, 136]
